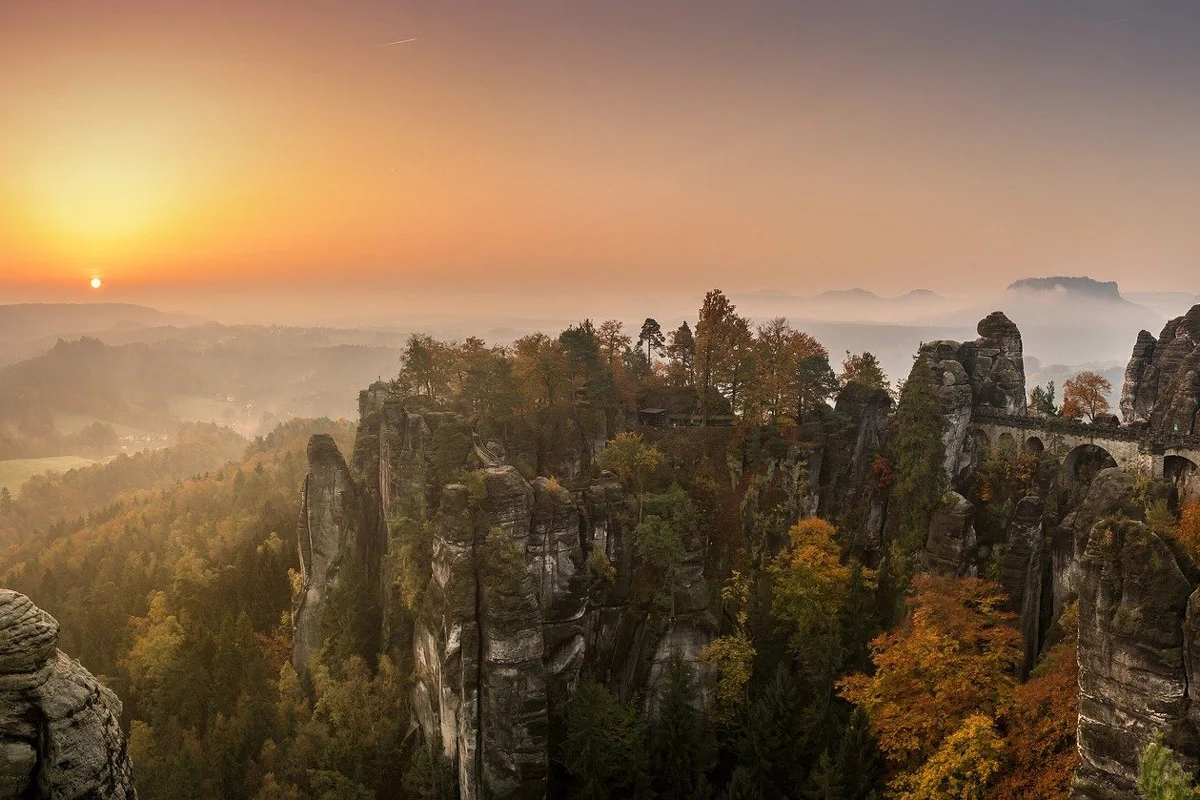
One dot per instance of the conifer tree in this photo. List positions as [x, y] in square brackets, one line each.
[774, 742]
[920, 477]
[651, 337]
[681, 745]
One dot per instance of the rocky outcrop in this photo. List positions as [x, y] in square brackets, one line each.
[60, 734]
[950, 546]
[850, 493]
[1021, 573]
[987, 373]
[339, 532]
[1162, 380]
[1133, 684]
[1110, 493]
[508, 622]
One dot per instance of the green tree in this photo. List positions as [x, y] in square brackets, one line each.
[632, 460]
[815, 384]
[864, 368]
[920, 454]
[651, 337]
[1041, 400]
[658, 545]
[1160, 777]
[774, 744]
[681, 745]
[6, 500]
[604, 745]
[682, 352]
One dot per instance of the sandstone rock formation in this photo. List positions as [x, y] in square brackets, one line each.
[951, 540]
[339, 531]
[1021, 573]
[527, 583]
[60, 735]
[988, 373]
[1133, 684]
[1162, 380]
[1110, 493]
[849, 493]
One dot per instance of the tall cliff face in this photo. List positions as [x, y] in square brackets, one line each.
[849, 492]
[60, 734]
[1133, 679]
[1162, 380]
[339, 533]
[526, 583]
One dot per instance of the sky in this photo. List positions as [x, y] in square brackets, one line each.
[522, 153]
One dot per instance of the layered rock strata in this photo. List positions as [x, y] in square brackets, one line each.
[60, 733]
[1162, 380]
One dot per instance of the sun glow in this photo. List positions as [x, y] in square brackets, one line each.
[96, 283]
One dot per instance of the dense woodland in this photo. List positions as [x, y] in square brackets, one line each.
[841, 672]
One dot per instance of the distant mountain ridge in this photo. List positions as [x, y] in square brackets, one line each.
[29, 322]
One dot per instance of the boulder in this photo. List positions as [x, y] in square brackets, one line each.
[60, 733]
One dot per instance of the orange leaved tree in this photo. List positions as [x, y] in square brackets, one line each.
[1086, 395]
[951, 662]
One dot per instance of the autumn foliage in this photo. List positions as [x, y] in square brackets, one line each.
[951, 659]
[946, 707]
[1086, 395]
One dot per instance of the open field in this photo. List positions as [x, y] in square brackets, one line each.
[68, 423]
[16, 471]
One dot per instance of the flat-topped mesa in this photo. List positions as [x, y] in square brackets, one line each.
[60, 733]
[1162, 380]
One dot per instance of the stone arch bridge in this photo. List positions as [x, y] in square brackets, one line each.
[1133, 449]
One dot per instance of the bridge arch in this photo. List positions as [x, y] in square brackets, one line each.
[1085, 460]
[1006, 445]
[1185, 474]
[1034, 446]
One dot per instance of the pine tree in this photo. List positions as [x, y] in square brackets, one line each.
[858, 763]
[858, 621]
[604, 743]
[651, 337]
[1160, 777]
[681, 745]
[742, 787]
[920, 476]
[774, 741]
[5, 500]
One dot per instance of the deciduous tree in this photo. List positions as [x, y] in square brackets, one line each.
[1086, 395]
[952, 658]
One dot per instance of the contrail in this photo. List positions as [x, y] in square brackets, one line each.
[402, 41]
[1115, 21]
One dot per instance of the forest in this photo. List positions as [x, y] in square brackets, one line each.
[841, 669]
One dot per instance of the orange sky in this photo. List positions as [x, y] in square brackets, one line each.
[797, 146]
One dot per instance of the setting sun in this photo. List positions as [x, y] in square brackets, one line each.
[97, 283]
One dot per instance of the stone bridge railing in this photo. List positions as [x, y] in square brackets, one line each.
[1059, 425]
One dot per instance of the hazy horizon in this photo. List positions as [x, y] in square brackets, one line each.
[210, 157]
